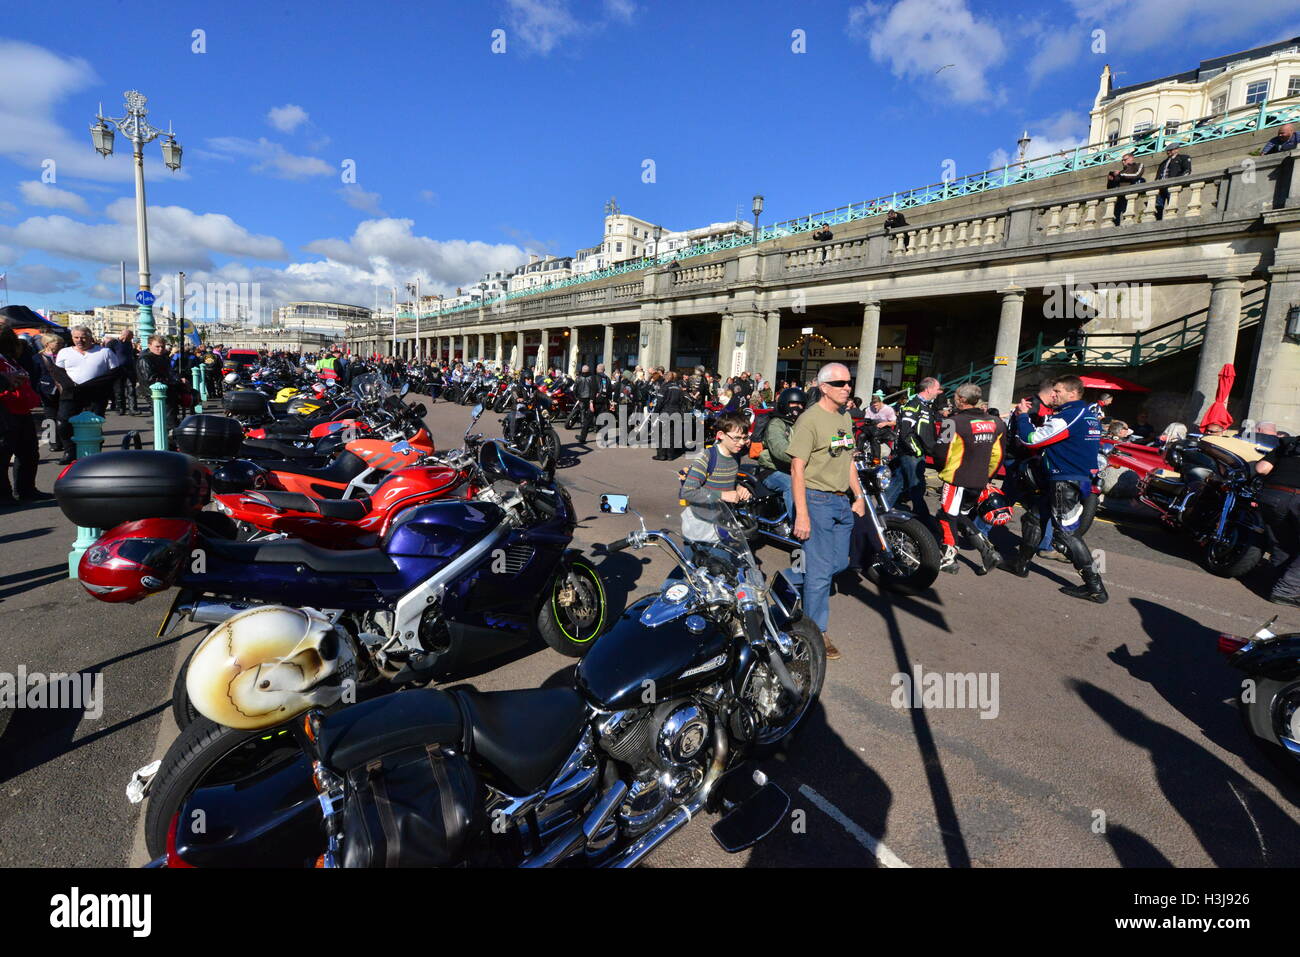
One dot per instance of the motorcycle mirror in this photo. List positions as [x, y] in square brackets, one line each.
[613, 504]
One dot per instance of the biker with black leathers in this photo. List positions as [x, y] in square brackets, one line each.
[585, 389]
[671, 409]
[1069, 440]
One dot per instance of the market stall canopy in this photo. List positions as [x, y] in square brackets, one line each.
[1111, 383]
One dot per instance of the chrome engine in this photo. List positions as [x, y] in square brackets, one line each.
[668, 747]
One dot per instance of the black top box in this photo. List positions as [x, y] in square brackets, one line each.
[208, 437]
[247, 402]
[105, 490]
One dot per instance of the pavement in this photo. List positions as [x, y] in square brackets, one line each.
[1106, 734]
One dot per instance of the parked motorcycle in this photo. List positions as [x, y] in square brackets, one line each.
[1269, 700]
[1212, 498]
[528, 428]
[719, 667]
[904, 554]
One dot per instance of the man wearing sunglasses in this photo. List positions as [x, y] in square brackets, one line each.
[823, 478]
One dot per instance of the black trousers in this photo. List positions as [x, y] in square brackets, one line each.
[1065, 507]
[74, 403]
[18, 444]
[1282, 513]
[124, 394]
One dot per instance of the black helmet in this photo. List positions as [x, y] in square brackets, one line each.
[787, 398]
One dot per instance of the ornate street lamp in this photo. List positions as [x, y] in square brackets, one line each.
[758, 210]
[136, 128]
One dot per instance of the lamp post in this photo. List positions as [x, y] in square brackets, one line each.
[1022, 145]
[137, 129]
[758, 210]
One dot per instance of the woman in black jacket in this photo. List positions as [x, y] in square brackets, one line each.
[155, 366]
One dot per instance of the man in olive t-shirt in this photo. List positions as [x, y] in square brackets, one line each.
[822, 477]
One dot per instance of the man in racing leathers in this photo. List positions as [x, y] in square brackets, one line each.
[1069, 440]
[970, 450]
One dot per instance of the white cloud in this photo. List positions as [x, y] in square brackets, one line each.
[1057, 134]
[358, 198]
[287, 118]
[43, 194]
[178, 237]
[933, 41]
[38, 278]
[389, 248]
[1207, 27]
[271, 158]
[7, 208]
[430, 197]
[33, 82]
[543, 25]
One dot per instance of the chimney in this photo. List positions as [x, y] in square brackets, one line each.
[532, 258]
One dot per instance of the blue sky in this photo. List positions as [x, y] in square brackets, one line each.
[467, 160]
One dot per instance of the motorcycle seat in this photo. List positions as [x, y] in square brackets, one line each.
[282, 447]
[342, 470]
[349, 738]
[348, 509]
[524, 736]
[291, 551]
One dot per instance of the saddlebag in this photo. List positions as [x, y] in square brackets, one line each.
[414, 807]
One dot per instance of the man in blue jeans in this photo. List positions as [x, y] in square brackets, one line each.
[822, 478]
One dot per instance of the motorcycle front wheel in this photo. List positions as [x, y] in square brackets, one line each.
[573, 616]
[763, 692]
[1234, 557]
[916, 557]
[575, 417]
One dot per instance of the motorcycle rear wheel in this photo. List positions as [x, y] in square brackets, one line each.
[210, 754]
[917, 555]
[183, 711]
[571, 629]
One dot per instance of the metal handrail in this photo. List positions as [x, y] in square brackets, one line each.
[1082, 157]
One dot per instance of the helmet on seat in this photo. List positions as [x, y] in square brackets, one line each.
[790, 403]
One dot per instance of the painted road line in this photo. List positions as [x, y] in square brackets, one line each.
[1182, 601]
[876, 848]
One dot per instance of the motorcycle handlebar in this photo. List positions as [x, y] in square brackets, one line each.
[618, 546]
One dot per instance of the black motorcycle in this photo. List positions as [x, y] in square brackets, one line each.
[528, 428]
[1269, 699]
[1212, 499]
[904, 556]
[718, 667]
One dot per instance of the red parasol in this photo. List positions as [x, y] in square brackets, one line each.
[1111, 383]
[1217, 414]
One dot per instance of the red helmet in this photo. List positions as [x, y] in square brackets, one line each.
[993, 506]
[136, 559]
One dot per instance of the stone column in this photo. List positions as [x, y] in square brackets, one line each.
[1006, 347]
[608, 351]
[500, 356]
[1275, 392]
[543, 352]
[518, 362]
[645, 343]
[665, 344]
[1220, 346]
[574, 332]
[771, 348]
[464, 348]
[481, 350]
[726, 344]
[864, 383]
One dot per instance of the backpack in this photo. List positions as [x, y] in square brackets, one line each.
[761, 422]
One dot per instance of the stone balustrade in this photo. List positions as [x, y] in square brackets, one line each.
[1185, 198]
[945, 237]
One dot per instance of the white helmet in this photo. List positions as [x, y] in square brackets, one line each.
[232, 378]
[268, 664]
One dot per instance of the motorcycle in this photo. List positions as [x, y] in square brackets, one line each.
[1269, 701]
[1212, 498]
[528, 429]
[904, 554]
[664, 713]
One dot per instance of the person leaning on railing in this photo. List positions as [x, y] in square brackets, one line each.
[896, 220]
[1128, 174]
[1286, 140]
[1175, 164]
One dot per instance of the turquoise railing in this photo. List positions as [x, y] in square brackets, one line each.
[1083, 157]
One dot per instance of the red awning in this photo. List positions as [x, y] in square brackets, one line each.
[1111, 383]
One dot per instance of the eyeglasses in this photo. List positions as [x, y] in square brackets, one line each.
[734, 437]
[836, 383]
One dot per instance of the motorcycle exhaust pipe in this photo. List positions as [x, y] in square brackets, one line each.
[213, 612]
[636, 852]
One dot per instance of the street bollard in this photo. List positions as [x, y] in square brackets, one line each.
[159, 392]
[88, 434]
[203, 385]
[196, 380]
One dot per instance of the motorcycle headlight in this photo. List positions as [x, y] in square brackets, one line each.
[883, 476]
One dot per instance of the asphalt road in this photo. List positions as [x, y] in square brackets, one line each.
[1112, 738]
